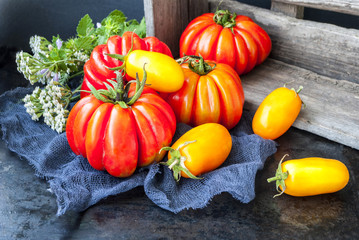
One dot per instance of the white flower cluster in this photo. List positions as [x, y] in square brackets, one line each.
[32, 104]
[28, 65]
[51, 103]
[82, 56]
[39, 45]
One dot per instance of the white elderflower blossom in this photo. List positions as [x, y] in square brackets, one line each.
[38, 46]
[80, 55]
[50, 103]
[33, 105]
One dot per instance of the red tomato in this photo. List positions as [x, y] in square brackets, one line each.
[116, 137]
[212, 96]
[224, 37]
[96, 68]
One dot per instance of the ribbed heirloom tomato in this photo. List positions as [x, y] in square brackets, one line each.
[118, 130]
[226, 38]
[96, 69]
[211, 93]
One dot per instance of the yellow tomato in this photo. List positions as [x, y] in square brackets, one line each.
[310, 176]
[164, 74]
[200, 150]
[277, 113]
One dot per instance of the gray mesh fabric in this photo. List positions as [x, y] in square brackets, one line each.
[78, 186]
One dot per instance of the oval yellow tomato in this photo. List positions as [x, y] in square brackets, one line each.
[277, 113]
[198, 151]
[310, 176]
[164, 74]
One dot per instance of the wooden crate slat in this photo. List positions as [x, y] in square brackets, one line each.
[323, 48]
[332, 106]
[341, 6]
[166, 19]
[288, 9]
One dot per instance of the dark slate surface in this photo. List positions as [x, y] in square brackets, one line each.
[28, 209]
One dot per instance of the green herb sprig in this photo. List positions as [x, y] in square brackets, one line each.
[58, 61]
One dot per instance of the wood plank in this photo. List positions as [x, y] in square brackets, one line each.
[332, 106]
[322, 48]
[342, 6]
[290, 10]
[167, 19]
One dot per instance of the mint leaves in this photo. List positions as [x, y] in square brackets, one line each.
[85, 26]
[114, 24]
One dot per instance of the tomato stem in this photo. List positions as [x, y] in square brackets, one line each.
[197, 64]
[119, 90]
[176, 161]
[299, 89]
[279, 178]
[139, 87]
[117, 93]
[225, 18]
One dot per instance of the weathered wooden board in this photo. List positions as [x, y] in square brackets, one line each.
[342, 6]
[332, 106]
[323, 48]
[288, 9]
[167, 19]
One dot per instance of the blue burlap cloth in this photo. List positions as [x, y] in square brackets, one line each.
[77, 185]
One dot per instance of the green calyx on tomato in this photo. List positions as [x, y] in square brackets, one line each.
[197, 64]
[279, 178]
[117, 93]
[176, 162]
[225, 18]
[310, 176]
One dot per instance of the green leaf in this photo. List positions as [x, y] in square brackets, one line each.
[116, 16]
[85, 26]
[84, 43]
[138, 28]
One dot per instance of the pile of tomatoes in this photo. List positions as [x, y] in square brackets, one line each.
[134, 93]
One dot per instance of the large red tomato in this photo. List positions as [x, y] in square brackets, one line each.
[226, 38]
[211, 93]
[116, 136]
[96, 69]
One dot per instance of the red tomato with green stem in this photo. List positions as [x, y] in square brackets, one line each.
[225, 37]
[211, 93]
[97, 68]
[121, 128]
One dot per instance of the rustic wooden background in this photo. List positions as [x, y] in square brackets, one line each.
[321, 57]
